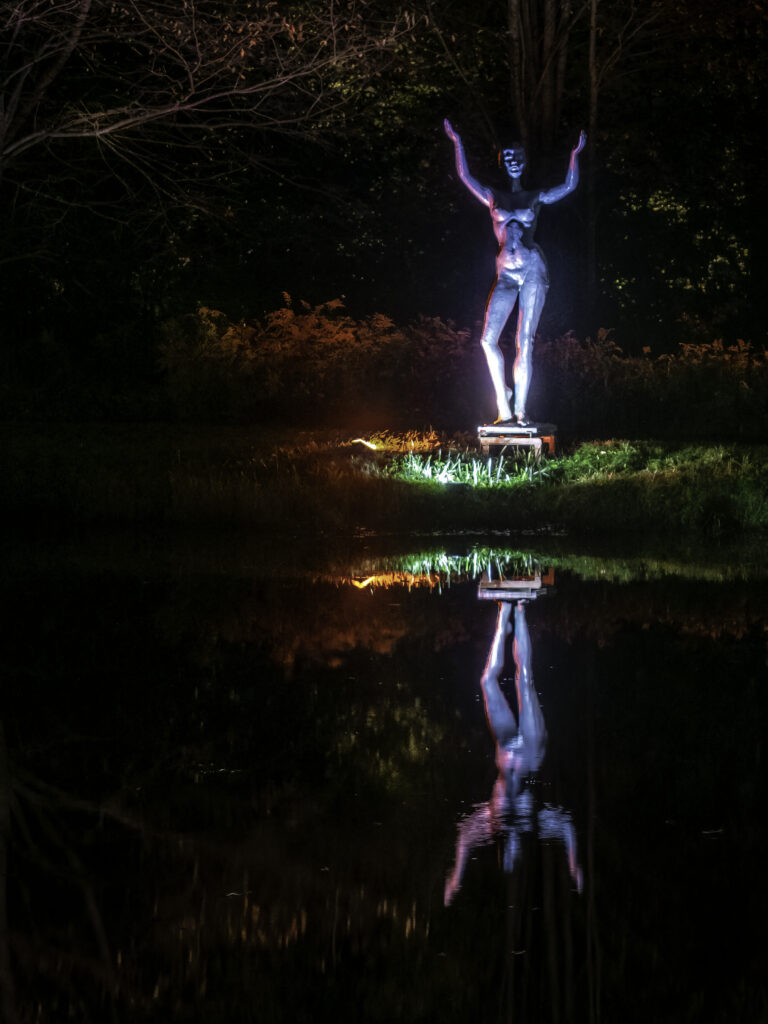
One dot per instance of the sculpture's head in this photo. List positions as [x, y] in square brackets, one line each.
[513, 160]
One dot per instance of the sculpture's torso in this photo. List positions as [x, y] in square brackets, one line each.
[516, 264]
[518, 259]
[520, 206]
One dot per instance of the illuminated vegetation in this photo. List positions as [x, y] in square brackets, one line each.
[310, 367]
[465, 468]
[438, 568]
[332, 484]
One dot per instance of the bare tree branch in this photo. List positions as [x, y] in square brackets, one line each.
[76, 70]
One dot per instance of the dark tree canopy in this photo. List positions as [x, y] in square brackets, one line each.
[159, 155]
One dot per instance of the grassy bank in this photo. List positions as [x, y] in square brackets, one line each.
[293, 482]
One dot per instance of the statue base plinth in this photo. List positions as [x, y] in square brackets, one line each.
[536, 437]
[518, 588]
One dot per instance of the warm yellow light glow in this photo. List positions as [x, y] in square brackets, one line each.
[361, 440]
[361, 584]
[396, 579]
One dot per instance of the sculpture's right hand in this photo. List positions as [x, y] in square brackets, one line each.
[449, 131]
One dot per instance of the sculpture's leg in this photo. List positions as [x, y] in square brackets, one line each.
[500, 304]
[532, 297]
[479, 826]
[502, 722]
[532, 729]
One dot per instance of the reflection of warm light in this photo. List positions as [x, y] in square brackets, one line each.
[360, 584]
[439, 569]
[361, 440]
[396, 579]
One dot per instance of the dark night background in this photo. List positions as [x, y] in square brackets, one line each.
[217, 213]
[335, 181]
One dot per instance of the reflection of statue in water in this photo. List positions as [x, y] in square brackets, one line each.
[520, 268]
[520, 749]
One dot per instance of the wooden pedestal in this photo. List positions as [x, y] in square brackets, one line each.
[517, 588]
[537, 437]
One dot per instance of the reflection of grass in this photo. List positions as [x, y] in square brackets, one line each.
[433, 565]
[433, 568]
[311, 482]
[438, 569]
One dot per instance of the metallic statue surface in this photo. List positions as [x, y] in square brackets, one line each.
[521, 743]
[521, 273]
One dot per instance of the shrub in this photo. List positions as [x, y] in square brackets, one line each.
[314, 362]
[320, 365]
[702, 391]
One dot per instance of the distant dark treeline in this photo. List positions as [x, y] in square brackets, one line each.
[318, 366]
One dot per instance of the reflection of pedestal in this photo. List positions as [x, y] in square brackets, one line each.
[516, 588]
[536, 437]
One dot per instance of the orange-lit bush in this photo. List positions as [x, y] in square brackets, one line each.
[710, 390]
[314, 362]
[320, 365]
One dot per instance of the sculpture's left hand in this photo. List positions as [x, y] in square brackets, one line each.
[581, 143]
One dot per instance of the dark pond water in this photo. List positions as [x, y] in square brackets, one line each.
[461, 785]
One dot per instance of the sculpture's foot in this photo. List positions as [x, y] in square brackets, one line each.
[523, 421]
[505, 409]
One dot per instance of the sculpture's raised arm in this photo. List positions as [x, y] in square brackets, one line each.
[555, 823]
[551, 195]
[479, 191]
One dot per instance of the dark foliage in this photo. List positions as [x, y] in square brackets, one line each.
[303, 365]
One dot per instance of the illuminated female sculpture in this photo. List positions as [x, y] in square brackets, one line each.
[521, 744]
[520, 268]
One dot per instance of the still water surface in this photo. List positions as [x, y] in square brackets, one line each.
[460, 785]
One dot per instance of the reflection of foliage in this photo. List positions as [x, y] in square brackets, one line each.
[431, 566]
[221, 813]
[440, 569]
[236, 825]
[387, 750]
[298, 622]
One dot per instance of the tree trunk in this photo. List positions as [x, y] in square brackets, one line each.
[562, 57]
[548, 62]
[594, 84]
[516, 69]
[537, 33]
